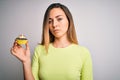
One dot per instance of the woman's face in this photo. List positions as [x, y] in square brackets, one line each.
[58, 23]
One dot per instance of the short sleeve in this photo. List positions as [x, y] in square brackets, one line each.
[35, 64]
[87, 73]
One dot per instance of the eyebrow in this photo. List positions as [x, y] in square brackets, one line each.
[56, 16]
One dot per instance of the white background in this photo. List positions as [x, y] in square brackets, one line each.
[97, 23]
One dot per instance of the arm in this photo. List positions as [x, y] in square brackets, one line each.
[36, 63]
[87, 73]
[24, 56]
[27, 71]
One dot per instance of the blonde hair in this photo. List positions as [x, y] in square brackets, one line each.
[47, 36]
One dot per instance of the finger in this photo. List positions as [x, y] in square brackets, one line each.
[12, 51]
[16, 45]
[27, 46]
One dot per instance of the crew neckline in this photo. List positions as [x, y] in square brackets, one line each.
[61, 47]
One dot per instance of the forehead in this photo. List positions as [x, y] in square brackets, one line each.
[55, 12]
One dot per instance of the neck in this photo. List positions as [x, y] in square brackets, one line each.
[61, 42]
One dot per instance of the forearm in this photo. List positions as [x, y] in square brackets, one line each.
[27, 71]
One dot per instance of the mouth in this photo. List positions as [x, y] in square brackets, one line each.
[56, 31]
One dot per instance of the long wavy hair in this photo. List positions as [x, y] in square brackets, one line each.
[47, 36]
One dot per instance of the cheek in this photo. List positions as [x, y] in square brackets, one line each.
[65, 26]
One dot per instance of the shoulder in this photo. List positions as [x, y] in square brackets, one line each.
[39, 49]
[39, 46]
[82, 49]
[84, 53]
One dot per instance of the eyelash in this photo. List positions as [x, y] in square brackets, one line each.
[50, 21]
[59, 19]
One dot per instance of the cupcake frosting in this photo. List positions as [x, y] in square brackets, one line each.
[21, 37]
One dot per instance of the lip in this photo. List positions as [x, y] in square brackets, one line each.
[56, 30]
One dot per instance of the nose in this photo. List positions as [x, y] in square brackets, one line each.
[55, 23]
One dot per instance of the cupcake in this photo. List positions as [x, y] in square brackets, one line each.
[21, 39]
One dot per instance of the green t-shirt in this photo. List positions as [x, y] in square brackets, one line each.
[69, 63]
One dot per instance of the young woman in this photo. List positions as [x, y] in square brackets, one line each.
[58, 57]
